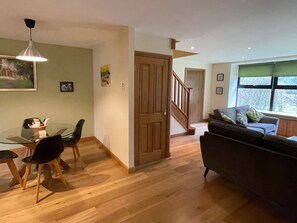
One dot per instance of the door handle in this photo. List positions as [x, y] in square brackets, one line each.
[165, 112]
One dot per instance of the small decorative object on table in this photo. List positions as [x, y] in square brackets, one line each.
[39, 128]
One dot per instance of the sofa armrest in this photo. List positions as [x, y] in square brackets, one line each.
[270, 120]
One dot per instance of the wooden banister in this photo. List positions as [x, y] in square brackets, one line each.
[181, 94]
[181, 102]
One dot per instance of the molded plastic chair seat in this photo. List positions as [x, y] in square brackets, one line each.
[7, 156]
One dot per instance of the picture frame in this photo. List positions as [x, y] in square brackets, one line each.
[220, 77]
[105, 75]
[219, 90]
[17, 75]
[66, 86]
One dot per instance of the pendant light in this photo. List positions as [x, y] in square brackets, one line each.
[31, 53]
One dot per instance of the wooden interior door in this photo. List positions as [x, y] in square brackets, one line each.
[194, 79]
[152, 110]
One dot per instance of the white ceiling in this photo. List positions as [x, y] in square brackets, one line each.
[220, 30]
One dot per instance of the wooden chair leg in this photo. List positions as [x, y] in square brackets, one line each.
[38, 181]
[58, 160]
[74, 153]
[82, 164]
[27, 172]
[14, 171]
[58, 169]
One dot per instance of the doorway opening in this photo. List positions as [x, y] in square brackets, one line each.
[195, 80]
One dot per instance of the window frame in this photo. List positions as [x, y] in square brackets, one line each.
[273, 86]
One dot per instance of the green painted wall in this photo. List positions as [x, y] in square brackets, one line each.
[64, 64]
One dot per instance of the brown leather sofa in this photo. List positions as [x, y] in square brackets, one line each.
[264, 164]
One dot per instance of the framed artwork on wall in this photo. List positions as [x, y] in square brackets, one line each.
[105, 75]
[17, 75]
[219, 90]
[220, 77]
[66, 86]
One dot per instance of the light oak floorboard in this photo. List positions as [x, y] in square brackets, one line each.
[171, 190]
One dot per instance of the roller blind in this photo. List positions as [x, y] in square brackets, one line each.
[286, 68]
[256, 70]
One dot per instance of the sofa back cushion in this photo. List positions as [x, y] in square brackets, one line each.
[227, 118]
[230, 112]
[254, 115]
[280, 144]
[243, 109]
[235, 132]
[241, 118]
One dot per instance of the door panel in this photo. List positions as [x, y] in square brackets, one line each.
[144, 82]
[194, 79]
[152, 76]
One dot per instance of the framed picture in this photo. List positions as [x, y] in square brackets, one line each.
[17, 75]
[105, 75]
[220, 77]
[66, 86]
[219, 90]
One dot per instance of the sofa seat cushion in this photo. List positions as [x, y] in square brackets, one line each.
[256, 129]
[235, 132]
[266, 127]
[280, 144]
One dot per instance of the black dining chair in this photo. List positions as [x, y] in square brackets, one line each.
[7, 156]
[73, 139]
[47, 151]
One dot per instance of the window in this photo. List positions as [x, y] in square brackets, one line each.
[269, 86]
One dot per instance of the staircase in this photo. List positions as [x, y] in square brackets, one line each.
[180, 106]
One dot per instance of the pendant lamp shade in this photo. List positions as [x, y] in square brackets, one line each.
[31, 53]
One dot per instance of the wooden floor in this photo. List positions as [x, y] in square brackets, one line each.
[172, 190]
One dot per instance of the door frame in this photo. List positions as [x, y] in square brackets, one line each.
[198, 69]
[136, 116]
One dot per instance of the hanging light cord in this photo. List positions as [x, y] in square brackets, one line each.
[30, 35]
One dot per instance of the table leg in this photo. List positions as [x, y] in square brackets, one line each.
[64, 165]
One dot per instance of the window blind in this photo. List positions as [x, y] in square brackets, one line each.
[256, 70]
[286, 68]
[278, 69]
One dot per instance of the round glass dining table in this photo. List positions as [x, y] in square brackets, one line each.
[25, 136]
[29, 137]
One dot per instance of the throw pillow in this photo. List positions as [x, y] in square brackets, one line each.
[254, 115]
[241, 118]
[227, 118]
